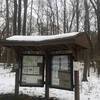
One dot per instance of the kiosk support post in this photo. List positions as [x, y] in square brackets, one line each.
[47, 76]
[17, 82]
[76, 77]
[17, 74]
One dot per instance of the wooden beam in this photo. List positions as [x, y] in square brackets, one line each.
[35, 44]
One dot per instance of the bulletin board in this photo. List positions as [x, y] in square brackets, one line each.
[62, 72]
[32, 71]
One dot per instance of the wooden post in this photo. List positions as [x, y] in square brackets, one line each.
[47, 76]
[17, 81]
[17, 74]
[76, 78]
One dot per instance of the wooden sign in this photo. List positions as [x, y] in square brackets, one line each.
[76, 65]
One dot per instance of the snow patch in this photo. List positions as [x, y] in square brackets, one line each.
[88, 90]
[41, 38]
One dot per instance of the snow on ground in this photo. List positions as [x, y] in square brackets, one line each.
[89, 90]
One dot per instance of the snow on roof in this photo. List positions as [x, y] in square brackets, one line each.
[41, 38]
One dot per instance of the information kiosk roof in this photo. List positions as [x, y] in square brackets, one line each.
[50, 42]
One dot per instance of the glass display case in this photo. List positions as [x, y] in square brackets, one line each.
[32, 70]
[61, 74]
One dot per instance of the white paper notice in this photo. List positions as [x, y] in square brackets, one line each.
[55, 66]
[64, 59]
[31, 79]
[55, 82]
[54, 74]
[76, 65]
[39, 59]
[24, 78]
[34, 62]
[25, 70]
[55, 60]
[30, 70]
[64, 66]
[36, 70]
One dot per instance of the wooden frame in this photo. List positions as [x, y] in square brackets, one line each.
[32, 85]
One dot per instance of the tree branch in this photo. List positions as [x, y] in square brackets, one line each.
[94, 6]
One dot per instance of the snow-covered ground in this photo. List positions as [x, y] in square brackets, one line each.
[89, 90]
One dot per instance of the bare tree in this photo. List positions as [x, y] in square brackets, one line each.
[73, 15]
[77, 15]
[7, 16]
[25, 16]
[15, 18]
[64, 23]
[87, 52]
[19, 17]
[86, 22]
[96, 6]
[31, 16]
[57, 16]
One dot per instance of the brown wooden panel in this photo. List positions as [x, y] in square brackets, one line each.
[83, 41]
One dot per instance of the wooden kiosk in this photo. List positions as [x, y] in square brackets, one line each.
[47, 60]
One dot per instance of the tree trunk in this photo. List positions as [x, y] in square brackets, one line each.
[15, 18]
[64, 23]
[7, 17]
[85, 66]
[96, 6]
[98, 18]
[98, 41]
[25, 16]
[77, 15]
[19, 18]
[87, 52]
[31, 16]
[98, 67]
[57, 14]
[86, 22]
